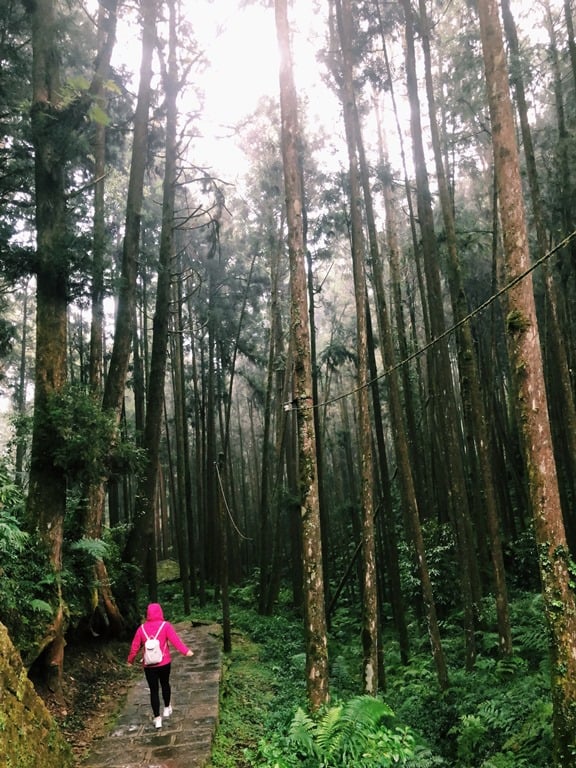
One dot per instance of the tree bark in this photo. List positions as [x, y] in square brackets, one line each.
[472, 402]
[113, 397]
[370, 628]
[21, 393]
[54, 125]
[47, 483]
[145, 513]
[524, 348]
[558, 370]
[313, 582]
[267, 454]
[106, 610]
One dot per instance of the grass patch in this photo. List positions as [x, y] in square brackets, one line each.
[247, 691]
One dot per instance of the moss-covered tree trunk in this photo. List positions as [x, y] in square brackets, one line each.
[55, 124]
[313, 582]
[105, 607]
[524, 348]
[474, 411]
[370, 624]
[50, 132]
[113, 397]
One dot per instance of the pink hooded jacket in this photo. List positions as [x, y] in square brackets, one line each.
[154, 618]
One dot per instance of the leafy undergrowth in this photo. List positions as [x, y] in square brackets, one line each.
[497, 716]
[247, 692]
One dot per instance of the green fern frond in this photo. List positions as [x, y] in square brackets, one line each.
[94, 548]
[508, 666]
[366, 711]
[302, 733]
[41, 606]
[357, 733]
[329, 731]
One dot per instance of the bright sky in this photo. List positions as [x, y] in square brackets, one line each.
[240, 44]
[242, 48]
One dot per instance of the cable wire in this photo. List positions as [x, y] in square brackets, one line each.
[294, 405]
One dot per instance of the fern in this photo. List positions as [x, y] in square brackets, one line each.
[94, 548]
[12, 538]
[329, 731]
[425, 758]
[359, 733]
[41, 606]
[302, 733]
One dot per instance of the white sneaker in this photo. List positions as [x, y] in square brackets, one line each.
[167, 711]
[158, 722]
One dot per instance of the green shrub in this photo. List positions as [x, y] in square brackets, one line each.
[360, 733]
[499, 715]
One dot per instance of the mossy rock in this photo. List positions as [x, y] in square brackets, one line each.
[29, 736]
[168, 570]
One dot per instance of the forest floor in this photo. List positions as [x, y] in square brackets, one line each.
[95, 683]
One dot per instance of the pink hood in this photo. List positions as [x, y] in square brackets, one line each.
[154, 612]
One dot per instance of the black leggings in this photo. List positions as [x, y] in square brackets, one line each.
[155, 675]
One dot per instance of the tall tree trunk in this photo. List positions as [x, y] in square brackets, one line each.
[313, 582]
[400, 434]
[472, 400]
[558, 367]
[387, 345]
[54, 124]
[565, 194]
[179, 497]
[370, 586]
[117, 370]
[190, 508]
[145, 513]
[200, 488]
[418, 455]
[126, 310]
[106, 610]
[211, 542]
[317, 427]
[388, 526]
[267, 454]
[524, 347]
[21, 394]
[444, 398]
[223, 554]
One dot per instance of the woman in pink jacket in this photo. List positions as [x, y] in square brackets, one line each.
[158, 674]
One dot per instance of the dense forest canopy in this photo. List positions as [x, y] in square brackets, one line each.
[305, 317]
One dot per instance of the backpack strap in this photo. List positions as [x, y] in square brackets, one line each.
[157, 633]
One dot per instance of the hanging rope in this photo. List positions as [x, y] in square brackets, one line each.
[230, 517]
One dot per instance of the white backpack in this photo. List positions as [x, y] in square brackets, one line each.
[152, 650]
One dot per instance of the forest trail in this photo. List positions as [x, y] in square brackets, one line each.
[185, 739]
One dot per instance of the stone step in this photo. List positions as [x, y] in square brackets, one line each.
[186, 737]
